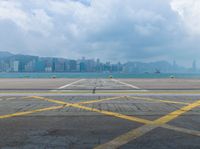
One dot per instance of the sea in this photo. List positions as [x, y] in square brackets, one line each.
[100, 75]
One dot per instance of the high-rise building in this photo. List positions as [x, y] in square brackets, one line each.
[72, 65]
[40, 65]
[48, 69]
[30, 66]
[67, 67]
[82, 67]
[16, 66]
[59, 65]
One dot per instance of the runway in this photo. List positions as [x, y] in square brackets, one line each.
[99, 114]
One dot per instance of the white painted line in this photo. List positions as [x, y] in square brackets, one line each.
[130, 85]
[67, 85]
[78, 85]
[11, 98]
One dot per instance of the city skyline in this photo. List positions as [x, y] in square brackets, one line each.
[27, 63]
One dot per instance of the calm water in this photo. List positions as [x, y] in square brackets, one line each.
[95, 75]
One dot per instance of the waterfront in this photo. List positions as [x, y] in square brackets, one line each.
[99, 75]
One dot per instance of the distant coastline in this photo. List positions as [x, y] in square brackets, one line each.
[99, 75]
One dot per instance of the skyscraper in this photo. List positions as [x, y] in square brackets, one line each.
[16, 66]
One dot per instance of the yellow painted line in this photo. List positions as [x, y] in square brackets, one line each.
[183, 130]
[130, 118]
[45, 109]
[135, 133]
[30, 112]
[100, 100]
[26, 97]
[49, 100]
[85, 102]
[125, 117]
[127, 137]
[176, 113]
[159, 100]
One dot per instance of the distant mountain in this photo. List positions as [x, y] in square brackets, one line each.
[4, 54]
[152, 67]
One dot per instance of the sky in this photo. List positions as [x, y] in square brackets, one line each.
[112, 30]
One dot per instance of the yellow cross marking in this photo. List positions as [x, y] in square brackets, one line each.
[131, 118]
[49, 108]
[176, 113]
[123, 139]
[135, 133]
[126, 117]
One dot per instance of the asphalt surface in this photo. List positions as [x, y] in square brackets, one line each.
[60, 120]
[100, 84]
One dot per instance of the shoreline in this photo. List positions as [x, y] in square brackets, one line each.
[95, 75]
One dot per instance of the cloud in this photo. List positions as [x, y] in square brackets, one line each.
[189, 12]
[109, 29]
[35, 20]
[11, 11]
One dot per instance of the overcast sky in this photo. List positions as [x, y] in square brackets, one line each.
[114, 30]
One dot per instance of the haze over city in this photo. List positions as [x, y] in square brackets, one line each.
[28, 63]
[111, 30]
